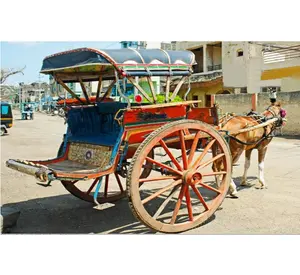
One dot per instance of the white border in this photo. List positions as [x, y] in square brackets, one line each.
[154, 20]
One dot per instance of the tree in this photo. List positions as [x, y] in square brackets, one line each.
[6, 73]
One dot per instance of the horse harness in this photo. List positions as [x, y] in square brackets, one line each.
[260, 118]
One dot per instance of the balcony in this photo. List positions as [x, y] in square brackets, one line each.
[281, 54]
[214, 67]
[281, 62]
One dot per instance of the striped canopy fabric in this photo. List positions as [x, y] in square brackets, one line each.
[90, 63]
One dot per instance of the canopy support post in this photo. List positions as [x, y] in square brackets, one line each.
[178, 87]
[84, 90]
[152, 88]
[99, 88]
[168, 88]
[140, 89]
[68, 89]
[168, 77]
[109, 89]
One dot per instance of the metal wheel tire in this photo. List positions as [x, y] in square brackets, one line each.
[184, 184]
[84, 189]
[2, 131]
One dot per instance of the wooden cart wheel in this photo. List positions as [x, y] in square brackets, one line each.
[109, 192]
[181, 191]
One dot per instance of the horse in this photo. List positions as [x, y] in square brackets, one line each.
[247, 141]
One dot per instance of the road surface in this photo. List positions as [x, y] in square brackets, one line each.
[275, 210]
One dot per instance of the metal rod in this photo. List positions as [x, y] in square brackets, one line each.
[188, 90]
[119, 90]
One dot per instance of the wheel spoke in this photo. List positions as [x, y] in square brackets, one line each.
[194, 147]
[183, 150]
[166, 201]
[200, 197]
[119, 182]
[186, 131]
[164, 145]
[214, 173]
[208, 187]
[158, 178]
[189, 204]
[92, 186]
[178, 204]
[161, 191]
[106, 186]
[199, 159]
[210, 161]
[164, 166]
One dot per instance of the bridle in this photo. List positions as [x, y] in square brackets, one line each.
[279, 122]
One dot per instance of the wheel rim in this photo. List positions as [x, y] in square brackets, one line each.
[110, 191]
[183, 197]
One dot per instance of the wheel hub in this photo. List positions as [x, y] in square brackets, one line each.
[191, 177]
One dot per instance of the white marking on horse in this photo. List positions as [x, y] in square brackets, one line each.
[232, 189]
[261, 167]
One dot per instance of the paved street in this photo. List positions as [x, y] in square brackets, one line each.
[275, 210]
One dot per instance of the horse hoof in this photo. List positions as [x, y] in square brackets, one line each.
[234, 194]
[261, 187]
[244, 183]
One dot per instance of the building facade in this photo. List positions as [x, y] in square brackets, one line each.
[242, 67]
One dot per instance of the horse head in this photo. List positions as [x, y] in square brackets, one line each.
[275, 111]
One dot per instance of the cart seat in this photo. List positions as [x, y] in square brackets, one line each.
[95, 124]
[81, 160]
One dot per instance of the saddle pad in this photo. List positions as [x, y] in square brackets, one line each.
[90, 154]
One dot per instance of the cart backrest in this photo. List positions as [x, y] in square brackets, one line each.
[95, 124]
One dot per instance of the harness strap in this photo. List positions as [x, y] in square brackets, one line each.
[252, 143]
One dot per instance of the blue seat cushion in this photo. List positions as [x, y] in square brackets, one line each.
[95, 124]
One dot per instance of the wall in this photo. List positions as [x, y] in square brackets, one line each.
[234, 68]
[214, 55]
[290, 84]
[199, 60]
[201, 92]
[241, 104]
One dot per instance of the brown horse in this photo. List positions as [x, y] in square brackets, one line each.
[247, 141]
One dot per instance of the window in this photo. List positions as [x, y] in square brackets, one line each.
[240, 53]
[270, 89]
[195, 97]
[244, 90]
[4, 110]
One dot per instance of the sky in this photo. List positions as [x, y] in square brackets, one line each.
[31, 54]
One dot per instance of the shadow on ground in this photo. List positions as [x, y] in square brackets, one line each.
[65, 214]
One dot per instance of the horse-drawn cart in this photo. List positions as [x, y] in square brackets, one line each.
[161, 150]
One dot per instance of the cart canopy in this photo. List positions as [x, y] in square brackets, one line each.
[89, 64]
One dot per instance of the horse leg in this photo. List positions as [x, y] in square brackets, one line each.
[246, 167]
[217, 165]
[232, 187]
[261, 165]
